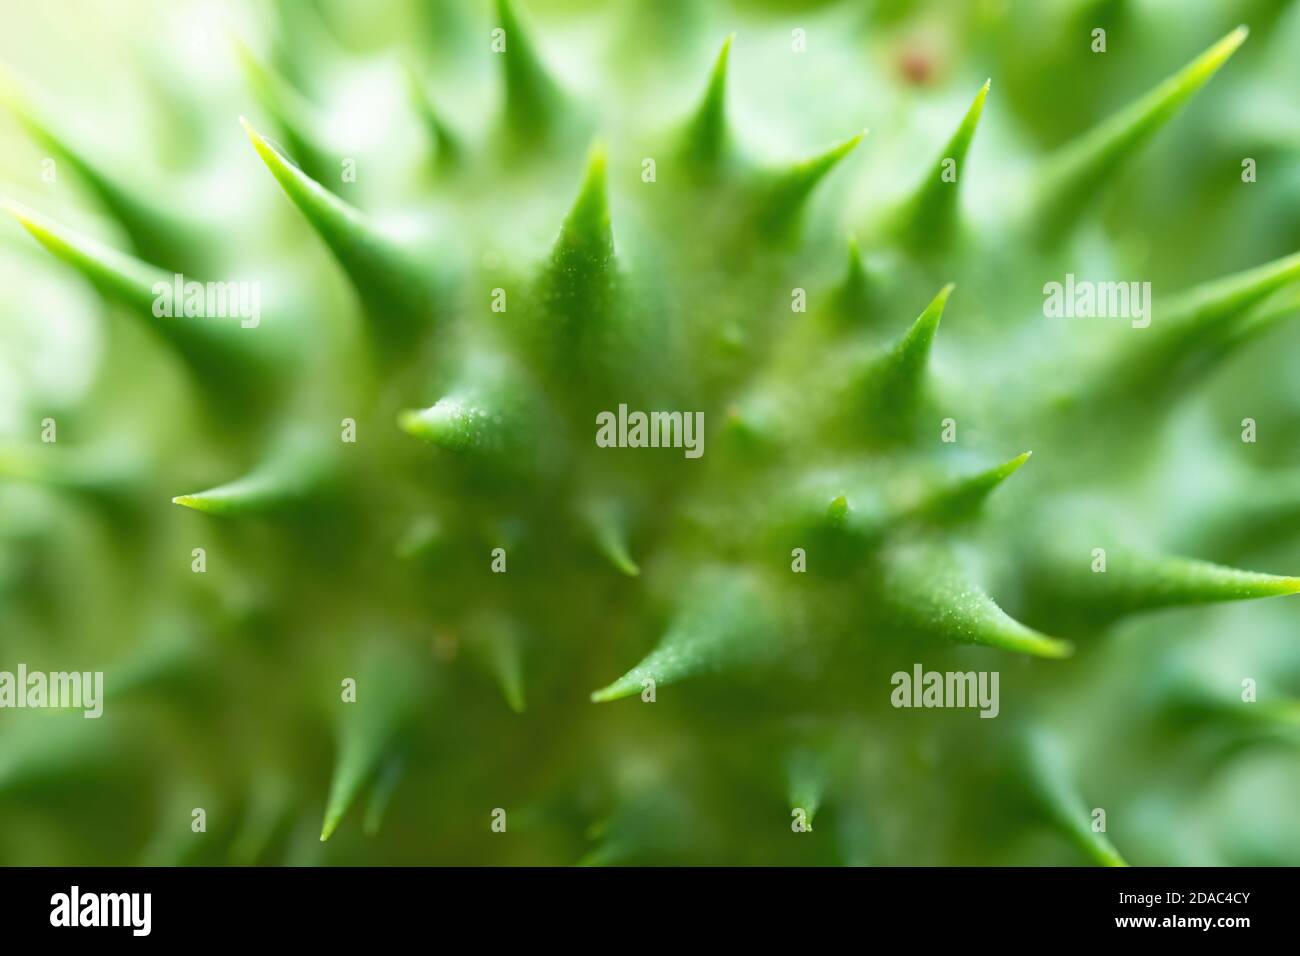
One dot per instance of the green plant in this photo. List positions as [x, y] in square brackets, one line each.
[870, 405]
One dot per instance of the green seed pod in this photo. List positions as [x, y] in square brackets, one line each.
[620, 367]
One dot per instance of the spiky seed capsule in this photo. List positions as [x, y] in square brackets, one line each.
[402, 563]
